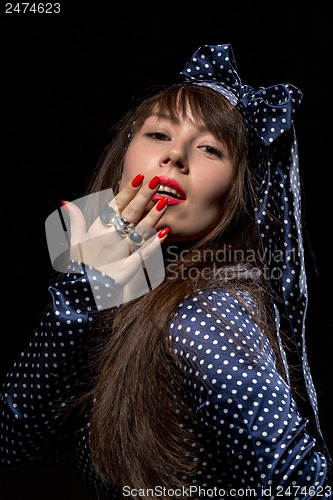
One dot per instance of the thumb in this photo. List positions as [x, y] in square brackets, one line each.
[78, 223]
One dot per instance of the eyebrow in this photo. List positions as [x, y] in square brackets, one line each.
[165, 116]
[159, 114]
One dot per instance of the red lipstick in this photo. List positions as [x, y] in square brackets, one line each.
[172, 183]
[171, 200]
[167, 181]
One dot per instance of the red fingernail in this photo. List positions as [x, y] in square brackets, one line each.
[163, 232]
[137, 180]
[161, 204]
[64, 205]
[154, 182]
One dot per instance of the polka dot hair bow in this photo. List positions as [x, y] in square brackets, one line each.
[268, 114]
[269, 111]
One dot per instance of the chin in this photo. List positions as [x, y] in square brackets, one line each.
[174, 237]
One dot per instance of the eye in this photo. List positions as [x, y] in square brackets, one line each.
[210, 150]
[157, 136]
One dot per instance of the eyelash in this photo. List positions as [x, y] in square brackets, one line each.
[157, 136]
[161, 136]
[212, 151]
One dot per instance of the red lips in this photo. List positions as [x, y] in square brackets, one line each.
[171, 200]
[167, 181]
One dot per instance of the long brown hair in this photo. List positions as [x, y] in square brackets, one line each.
[139, 436]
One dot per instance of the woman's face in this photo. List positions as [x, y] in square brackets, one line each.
[188, 158]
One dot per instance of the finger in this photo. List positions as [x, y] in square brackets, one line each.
[78, 223]
[153, 216]
[122, 199]
[150, 250]
[154, 243]
[124, 271]
[150, 270]
[133, 211]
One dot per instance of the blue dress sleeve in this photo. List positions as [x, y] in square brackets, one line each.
[36, 401]
[260, 440]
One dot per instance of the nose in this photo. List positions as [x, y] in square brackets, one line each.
[175, 157]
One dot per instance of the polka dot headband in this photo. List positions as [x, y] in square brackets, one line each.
[268, 114]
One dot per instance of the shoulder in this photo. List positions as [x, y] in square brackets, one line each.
[221, 301]
[216, 316]
[216, 337]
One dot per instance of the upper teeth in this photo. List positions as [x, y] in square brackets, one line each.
[169, 189]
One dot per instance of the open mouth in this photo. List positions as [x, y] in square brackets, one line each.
[171, 189]
[172, 198]
[168, 191]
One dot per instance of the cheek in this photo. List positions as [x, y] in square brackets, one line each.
[212, 191]
[205, 206]
[138, 160]
[208, 203]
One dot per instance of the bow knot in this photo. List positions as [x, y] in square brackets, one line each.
[269, 111]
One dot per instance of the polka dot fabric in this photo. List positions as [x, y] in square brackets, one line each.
[240, 394]
[250, 434]
[268, 113]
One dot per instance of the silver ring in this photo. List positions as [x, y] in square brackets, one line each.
[108, 215]
[133, 235]
[136, 238]
[124, 228]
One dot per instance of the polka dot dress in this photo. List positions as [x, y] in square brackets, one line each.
[251, 438]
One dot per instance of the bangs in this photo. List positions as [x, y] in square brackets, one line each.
[206, 106]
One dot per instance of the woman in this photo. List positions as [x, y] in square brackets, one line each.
[183, 390]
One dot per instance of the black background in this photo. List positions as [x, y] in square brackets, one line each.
[66, 78]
